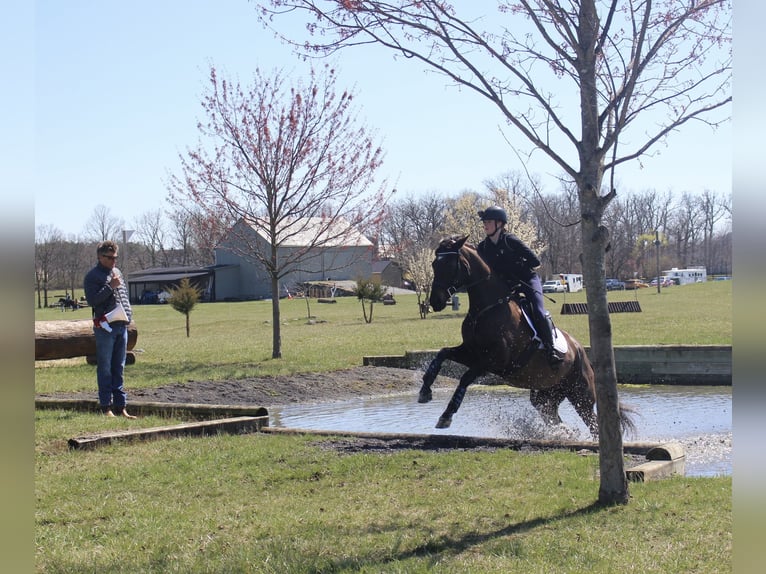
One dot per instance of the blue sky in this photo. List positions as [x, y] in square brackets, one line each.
[116, 95]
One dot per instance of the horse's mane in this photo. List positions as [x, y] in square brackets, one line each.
[454, 243]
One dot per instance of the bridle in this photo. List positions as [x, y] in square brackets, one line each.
[452, 287]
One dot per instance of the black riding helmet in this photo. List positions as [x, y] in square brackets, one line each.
[494, 213]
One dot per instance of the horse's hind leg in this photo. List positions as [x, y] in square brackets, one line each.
[583, 401]
[457, 398]
[581, 392]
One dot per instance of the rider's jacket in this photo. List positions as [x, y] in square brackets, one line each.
[510, 258]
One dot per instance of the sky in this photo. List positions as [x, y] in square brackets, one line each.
[116, 95]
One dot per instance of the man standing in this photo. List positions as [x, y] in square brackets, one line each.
[106, 292]
[511, 259]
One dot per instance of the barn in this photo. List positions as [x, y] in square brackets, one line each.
[344, 254]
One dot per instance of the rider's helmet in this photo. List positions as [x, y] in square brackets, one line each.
[494, 213]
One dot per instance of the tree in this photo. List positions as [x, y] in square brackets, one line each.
[635, 70]
[102, 225]
[369, 290]
[411, 222]
[150, 231]
[418, 264]
[290, 163]
[76, 258]
[48, 241]
[184, 298]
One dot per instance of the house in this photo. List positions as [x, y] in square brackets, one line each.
[344, 254]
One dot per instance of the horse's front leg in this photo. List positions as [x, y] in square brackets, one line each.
[432, 371]
[457, 398]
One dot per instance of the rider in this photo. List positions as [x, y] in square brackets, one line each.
[511, 259]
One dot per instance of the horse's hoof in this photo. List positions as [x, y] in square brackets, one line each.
[425, 396]
[444, 423]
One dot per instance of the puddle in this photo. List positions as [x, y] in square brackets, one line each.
[700, 418]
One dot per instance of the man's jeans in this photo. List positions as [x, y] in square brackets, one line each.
[111, 349]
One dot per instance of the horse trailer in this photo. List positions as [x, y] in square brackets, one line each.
[573, 281]
[686, 276]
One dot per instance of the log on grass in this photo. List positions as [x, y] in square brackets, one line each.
[66, 339]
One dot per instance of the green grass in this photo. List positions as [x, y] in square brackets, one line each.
[234, 340]
[283, 504]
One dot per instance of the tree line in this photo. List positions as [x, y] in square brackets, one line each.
[693, 229]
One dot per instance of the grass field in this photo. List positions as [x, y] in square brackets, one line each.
[287, 504]
[234, 340]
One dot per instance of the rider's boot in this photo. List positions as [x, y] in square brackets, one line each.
[545, 332]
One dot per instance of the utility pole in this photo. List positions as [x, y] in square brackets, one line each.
[657, 249]
[126, 235]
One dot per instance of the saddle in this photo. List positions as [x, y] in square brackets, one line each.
[559, 341]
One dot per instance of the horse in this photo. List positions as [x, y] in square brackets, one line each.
[498, 338]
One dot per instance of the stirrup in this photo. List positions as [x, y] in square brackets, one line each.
[553, 356]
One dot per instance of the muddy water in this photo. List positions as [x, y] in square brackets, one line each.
[700, 418]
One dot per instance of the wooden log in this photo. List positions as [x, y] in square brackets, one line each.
[66, 339]
[187, 410]
[237, 425]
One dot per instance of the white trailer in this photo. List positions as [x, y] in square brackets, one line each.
[686, 276]
[573, 281]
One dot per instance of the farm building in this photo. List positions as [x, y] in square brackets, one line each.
[345, 254]
[388, 272]
[147, 285]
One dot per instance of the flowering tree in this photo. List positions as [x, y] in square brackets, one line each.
[289, 164]
[591, 84]
[418, 261]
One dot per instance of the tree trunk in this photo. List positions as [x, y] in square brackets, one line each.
[614, 485]
[276, 331]
[66, 339]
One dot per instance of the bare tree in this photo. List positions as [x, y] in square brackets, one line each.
[714, 208]
[556, 219]
[636, 70]
[47, 249]
[102, 225]
[150, 233]
[77, 257]
[411, 222]
[290, 165]
[181, 233]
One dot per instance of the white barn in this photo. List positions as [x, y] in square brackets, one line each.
[345, 254]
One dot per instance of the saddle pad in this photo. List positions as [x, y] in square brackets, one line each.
[559, 341]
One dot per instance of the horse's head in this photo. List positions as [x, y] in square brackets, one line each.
[450, 271]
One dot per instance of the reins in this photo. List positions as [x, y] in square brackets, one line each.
[451, 288]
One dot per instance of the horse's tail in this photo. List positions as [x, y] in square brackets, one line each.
[627, 424]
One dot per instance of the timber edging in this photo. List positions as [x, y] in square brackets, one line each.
[635, 364]
[663, 460]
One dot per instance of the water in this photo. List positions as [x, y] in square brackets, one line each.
[700, 418]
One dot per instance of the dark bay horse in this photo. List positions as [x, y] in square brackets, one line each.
[498, 339]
